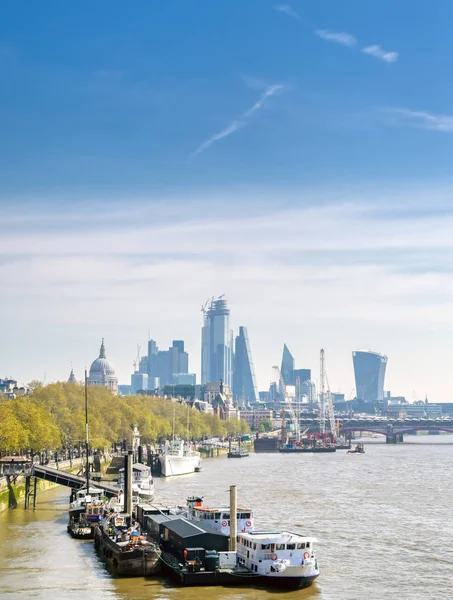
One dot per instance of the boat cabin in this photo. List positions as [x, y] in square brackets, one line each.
[87, 505]
[218, 518]
[265, 551]
[140, 474]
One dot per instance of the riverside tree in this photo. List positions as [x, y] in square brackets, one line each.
[54, 414]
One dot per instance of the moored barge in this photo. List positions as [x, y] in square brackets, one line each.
[124, 549]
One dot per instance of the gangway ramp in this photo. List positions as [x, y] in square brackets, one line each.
[69, 479]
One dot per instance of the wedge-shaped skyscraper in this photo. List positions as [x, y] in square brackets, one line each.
[287, 369]
[245, 390]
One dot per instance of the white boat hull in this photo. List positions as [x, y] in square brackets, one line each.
[172, 465]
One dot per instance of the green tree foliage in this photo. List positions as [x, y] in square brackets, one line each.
[28, 425]
[13, 435]
[54, 415]
[265, 425]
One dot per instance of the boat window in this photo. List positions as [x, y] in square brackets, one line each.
[254, 546]
[256, 568]
[301, 546]
[226, 516]
[245, 515]
[266, 546]
[291, 546]
[308, 544]
[217, 515]
[272, 548]
[280, 546]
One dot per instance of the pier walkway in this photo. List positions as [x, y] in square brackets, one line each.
[69, 479]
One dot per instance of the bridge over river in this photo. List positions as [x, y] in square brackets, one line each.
[392, 429]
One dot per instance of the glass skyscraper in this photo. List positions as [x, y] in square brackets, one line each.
[245, 389]
[287, 369]
[369, 372]
[217, 344]
[164, 364]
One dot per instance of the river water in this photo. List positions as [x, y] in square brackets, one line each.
[383, 521]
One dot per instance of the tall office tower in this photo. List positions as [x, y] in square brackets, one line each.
[369, 372]
[153, 351]
[143, 365]
[164, 364]
[245, 389]
[303, 374]
[287, 368]
[216, 344]
[179, 358]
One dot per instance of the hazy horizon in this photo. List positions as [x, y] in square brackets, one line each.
[294, 157]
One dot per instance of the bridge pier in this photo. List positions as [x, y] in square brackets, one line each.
[394, 438]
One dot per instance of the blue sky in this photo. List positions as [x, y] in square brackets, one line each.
[154, 154]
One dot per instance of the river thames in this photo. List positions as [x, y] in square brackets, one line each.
[383, 521]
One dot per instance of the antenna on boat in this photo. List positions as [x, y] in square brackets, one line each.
[174, 419]
[86, 432]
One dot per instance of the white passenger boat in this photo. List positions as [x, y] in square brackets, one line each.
[216, 517]
[179, 458]
[142, 483]
[283, 559]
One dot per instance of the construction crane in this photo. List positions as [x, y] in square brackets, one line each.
[288, 408]
[136, 362]
[328, 405]
[322, 400]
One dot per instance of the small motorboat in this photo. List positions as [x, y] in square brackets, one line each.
[359, 449]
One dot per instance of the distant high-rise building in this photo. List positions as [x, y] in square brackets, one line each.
[165, 363]
[303, 374]
[139, 381]
[308, 389]
[369, 372]
[245, 389]
[143, 365]
[287, 368]
[153, 351]
[217, 344]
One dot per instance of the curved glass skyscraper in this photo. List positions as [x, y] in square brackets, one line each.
[217, 344]
[369, 372]
[245, 389]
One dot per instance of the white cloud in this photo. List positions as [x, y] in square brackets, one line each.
[345, 39]
[370, 270]
[241, 121]
[378, 52]
[421, 119]
[287, 9]
[231, 128]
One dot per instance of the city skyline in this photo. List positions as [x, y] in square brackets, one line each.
[145, 366]
[304, 170]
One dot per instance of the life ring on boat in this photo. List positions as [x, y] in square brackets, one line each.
[274, 556]
[306, 554]
[248, 523]
[224, 523]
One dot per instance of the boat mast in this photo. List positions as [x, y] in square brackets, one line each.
[86, 433]
[174, 419]
[188, 428]
[322, 411]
